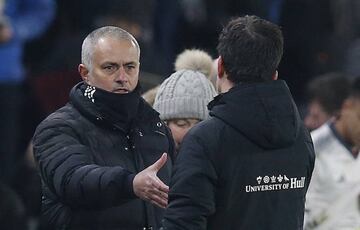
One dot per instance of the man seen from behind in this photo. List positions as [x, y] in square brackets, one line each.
[249, 165]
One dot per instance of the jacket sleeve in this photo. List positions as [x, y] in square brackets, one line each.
[67, 168]
[192, 188]
[32, 17]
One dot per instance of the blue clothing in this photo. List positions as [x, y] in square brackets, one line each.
[28, 19]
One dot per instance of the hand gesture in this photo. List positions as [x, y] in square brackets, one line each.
[149, 187]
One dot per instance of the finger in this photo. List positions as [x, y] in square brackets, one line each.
[158, 204]
[158, 187]
[161, 186]
[158, 200]
[163, 195]
[160, 162]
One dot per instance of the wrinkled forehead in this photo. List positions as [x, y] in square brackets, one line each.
[121, 48]
[111, 40]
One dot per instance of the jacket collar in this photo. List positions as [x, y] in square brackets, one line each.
[105, 116]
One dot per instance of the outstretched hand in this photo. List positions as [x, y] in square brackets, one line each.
[149, 187]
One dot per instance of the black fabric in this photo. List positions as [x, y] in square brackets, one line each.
[268, 115]
[119, 108]
[11, 103]
[87, 162]
[231, 169]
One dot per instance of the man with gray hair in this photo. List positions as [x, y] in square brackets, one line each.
[102, 157]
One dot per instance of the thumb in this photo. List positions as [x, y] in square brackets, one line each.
[160, 163]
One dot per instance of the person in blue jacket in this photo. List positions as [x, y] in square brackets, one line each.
[20, 21]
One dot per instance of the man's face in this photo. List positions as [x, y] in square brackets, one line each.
[316, 116]
[115, 66]
[351, 119]
[179, 127]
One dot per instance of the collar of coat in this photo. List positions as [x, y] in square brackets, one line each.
[117, 111]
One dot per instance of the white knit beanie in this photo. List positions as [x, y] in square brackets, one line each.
[185, 94]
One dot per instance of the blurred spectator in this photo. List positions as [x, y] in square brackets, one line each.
[182, 101]
[198, 23]
[189, 59]
[20, 20]
[352, 58]
[332, 201]
[197, 60]
[326, 94]
[27, 184]
[149, 96]
[12, 212]
[346, 30]
[308, 28]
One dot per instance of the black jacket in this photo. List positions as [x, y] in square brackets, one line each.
[247, 167]
[87, 164]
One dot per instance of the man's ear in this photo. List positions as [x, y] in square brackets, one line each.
[221, 69]
[84, 72]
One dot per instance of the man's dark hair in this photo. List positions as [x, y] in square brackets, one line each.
[251, 49]
[329, 90]
[355, 88]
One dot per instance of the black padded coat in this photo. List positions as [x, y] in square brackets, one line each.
[247, 167]
[87, 164]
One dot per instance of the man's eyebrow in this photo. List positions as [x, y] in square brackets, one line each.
[131, 63]
[110, 63]
[117, 64]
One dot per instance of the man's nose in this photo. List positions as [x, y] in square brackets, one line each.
[121, 75]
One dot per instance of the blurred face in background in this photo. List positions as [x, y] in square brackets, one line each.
[316, 116]
[349, 122]
[179, 127]
[114, 67]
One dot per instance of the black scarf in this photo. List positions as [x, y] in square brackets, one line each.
[120, 109]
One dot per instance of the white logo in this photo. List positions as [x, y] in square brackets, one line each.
[275, 183]
[89, 93]
[273, 179]
[266, 179]
[259, 178]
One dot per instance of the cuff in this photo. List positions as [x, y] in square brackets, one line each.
[128, 185]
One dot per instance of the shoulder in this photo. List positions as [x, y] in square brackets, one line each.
[208, 128]
[65, 113]
[322, 138]
[321, 133]
[66, 116]
[206, 134]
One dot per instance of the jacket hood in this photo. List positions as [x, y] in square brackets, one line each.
[263, 112]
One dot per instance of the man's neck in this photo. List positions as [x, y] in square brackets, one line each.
[226, 86]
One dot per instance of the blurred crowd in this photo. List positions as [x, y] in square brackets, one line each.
[40, 47]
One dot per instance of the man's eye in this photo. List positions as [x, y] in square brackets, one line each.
[109, 67]
[130, 67]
